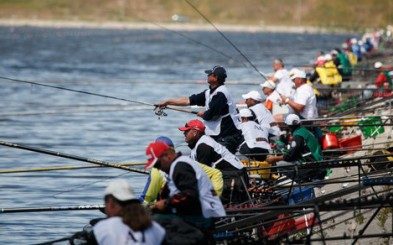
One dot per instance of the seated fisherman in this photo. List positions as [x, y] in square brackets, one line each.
[304, 147]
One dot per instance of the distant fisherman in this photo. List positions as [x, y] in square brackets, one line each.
[220, 115]
[284, 85]
[260, 113]
[256, 144]
[304, 147]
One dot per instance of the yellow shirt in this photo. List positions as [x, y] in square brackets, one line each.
[157, 180]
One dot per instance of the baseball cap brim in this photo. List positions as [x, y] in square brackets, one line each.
[151, 162]
[210, 71]
[184, 128]
[246, 96]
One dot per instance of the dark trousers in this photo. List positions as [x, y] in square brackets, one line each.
[257, 154]
[235, 186]
[231, 142]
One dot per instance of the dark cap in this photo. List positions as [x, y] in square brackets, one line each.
[219, 71]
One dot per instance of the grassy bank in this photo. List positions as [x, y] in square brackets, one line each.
[348, 14]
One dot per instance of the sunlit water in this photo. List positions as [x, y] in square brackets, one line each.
[138, 65]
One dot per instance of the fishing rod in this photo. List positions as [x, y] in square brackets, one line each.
[271, 215]
[27, 170]
[229, 41]
[355, 117]
[359, 106]
[50, 209]
[66, 105]
[74, 157]
[29, 113]
[159, 113]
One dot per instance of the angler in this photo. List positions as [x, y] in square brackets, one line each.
[220, 115]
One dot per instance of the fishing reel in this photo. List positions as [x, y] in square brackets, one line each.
[160, 112]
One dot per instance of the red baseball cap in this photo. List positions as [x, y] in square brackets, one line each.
[153, 152]
[193, 124]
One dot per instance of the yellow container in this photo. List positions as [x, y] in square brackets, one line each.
[263, 173]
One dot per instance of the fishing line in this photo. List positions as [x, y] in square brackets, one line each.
[96, 94]
[26, 170]
[192, 40]
[88, 184]
[229, 41]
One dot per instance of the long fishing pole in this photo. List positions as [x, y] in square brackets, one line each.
[46, 209]
[27, 170]
[94, 94]
[359, 106]
[74, 157]
[229, 41]
[33, 113]
[355, 118]
[192, 40]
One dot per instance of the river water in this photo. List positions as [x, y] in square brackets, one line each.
[140, 65]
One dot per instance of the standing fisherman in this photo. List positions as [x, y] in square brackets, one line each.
[284, 85]
[221, 116]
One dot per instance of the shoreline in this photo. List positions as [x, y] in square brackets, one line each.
[168, 25]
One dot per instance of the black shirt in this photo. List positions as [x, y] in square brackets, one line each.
[186, 201]
[206, 154]
[298, 147]
[218, 106]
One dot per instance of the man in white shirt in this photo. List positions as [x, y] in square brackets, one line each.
[121, 205]
[284, 84]
[260, 113]
[256, 144]
[304, 102]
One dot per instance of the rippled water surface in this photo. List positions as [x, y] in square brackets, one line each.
[140, 65]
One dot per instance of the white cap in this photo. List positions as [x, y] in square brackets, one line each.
[296, 73]
[292, 119]
[121, 190]
[328, 57]
[334, 52]
[268, 84]
[344, 45]
[378, 65]
[354, 41]
[255, 95]
[245, 113]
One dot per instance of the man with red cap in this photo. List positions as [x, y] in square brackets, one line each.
[205, 150]
[191, 193]
[157, 179]
[220, 115]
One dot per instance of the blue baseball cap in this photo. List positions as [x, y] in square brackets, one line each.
[166, 140]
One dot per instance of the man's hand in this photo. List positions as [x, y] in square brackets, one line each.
[160, 205]
[273, 159]
[269, 159]
[283, 98]
[200, 113]
[161, 105]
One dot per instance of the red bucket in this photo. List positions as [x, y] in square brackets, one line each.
[352, 143]
[329, 141]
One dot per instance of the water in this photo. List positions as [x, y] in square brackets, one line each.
[139, 65]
